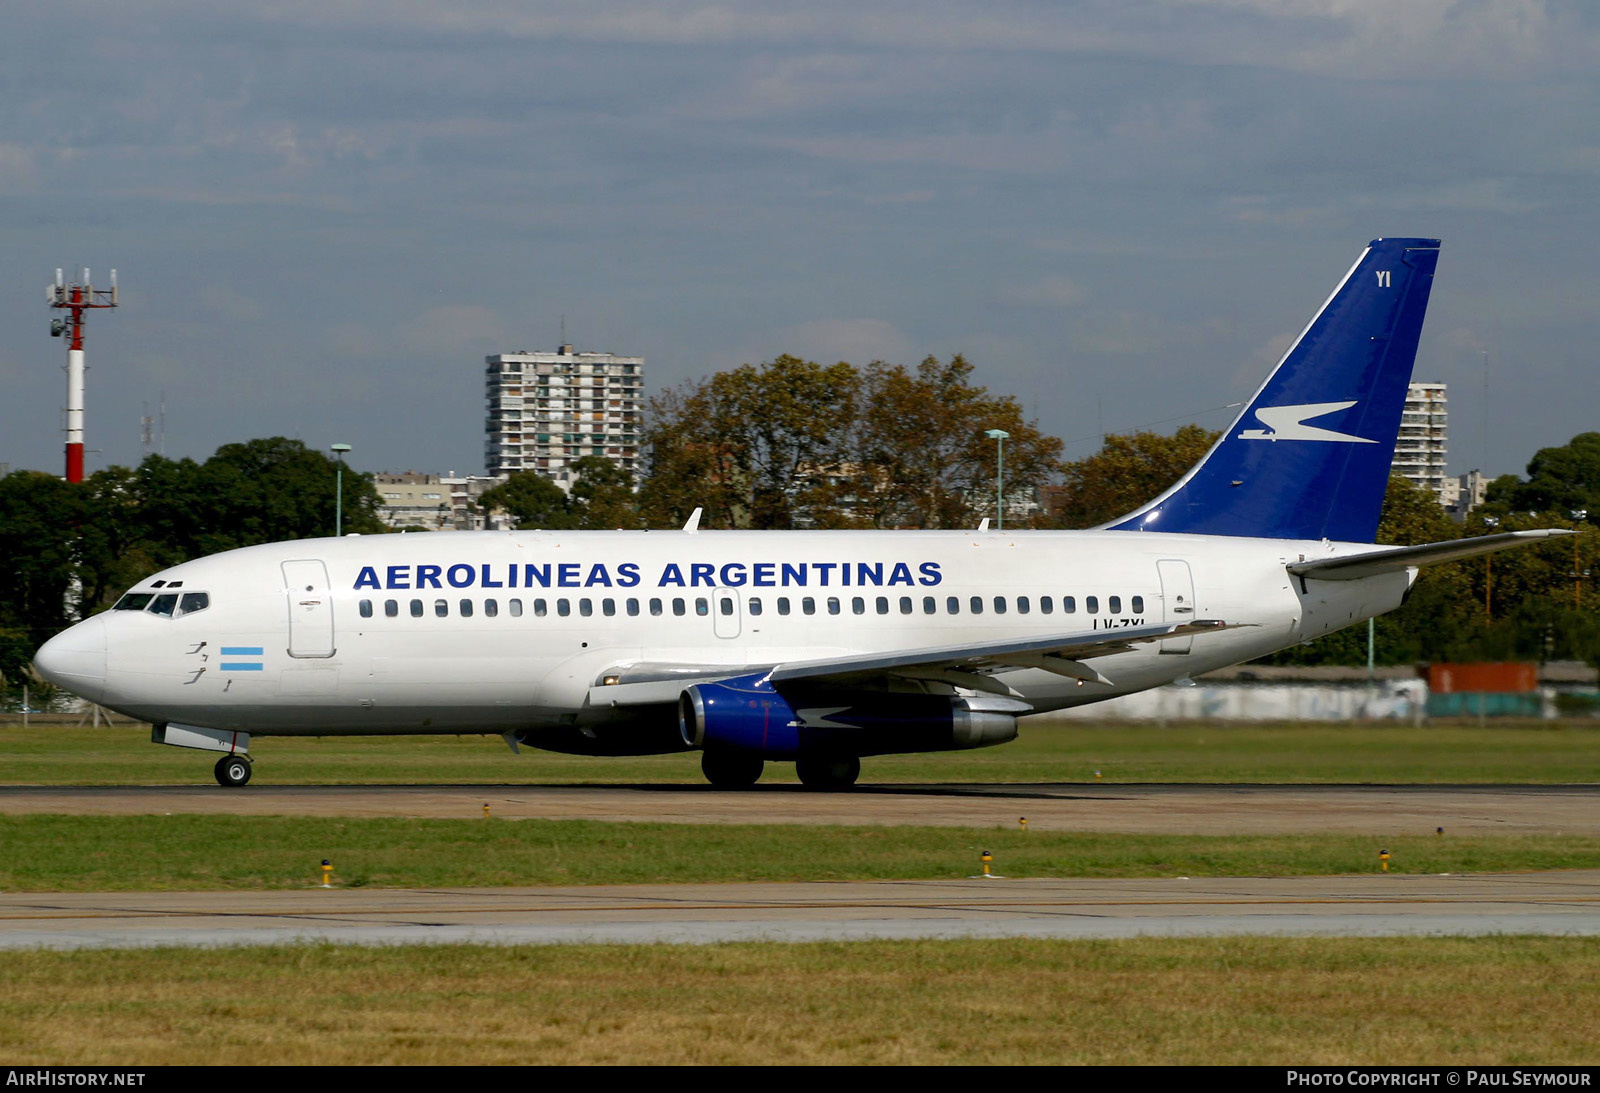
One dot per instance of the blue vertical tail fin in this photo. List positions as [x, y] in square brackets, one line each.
[1309, 456]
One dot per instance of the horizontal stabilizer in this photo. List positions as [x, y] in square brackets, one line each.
[1353, 567]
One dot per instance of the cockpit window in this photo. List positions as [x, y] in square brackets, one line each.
[133, 601]
[164, 604]
[194, 601]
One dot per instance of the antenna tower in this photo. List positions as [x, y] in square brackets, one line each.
[75, 299]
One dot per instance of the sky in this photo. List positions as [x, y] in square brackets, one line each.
[324, 215]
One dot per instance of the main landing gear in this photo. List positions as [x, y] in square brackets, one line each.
[731, 769]
[740, 770]
[838, 772]
[233, 770]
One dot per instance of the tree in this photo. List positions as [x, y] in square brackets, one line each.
[754, 447]
[1560, 480]
[531, 500]
[1127, 472]
[40, 518]
[922, 454]
[602, 495]
[797, 444]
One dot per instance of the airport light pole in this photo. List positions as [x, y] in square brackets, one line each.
[999, 436]
[338, 489]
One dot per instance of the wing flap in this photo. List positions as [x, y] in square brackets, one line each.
[987, 657]
[971, 665]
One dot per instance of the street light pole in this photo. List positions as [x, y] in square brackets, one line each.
[1000, 436]
[1578, 517]
[338, 489]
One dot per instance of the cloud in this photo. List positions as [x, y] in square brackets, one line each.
[1046, 292]
[855, 340]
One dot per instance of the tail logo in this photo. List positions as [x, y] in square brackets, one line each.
[1289, 423]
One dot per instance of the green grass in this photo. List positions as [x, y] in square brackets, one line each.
[1225, 1001]
[1523, 753]
[127, 853]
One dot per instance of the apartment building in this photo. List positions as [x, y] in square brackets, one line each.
[547, 410]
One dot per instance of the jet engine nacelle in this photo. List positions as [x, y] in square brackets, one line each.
[747, 714]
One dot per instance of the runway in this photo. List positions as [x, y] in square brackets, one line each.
[1251, 809]
[1561, 903]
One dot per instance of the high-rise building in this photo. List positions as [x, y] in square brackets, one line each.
[1419, 451]
[547, 410]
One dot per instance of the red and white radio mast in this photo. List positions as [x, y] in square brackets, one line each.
[76, 298]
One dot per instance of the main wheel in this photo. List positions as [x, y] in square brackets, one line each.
[233, 770]
[837, 772]
[731, 769]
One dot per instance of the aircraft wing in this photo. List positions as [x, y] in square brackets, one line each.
[968, 665]
[1355, 566]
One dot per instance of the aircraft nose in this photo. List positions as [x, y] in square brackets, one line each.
[75, 659]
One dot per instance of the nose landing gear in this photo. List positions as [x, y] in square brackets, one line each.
[233, 770]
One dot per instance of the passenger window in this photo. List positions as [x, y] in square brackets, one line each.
[441, 608]
[783, 605]
[563, 607]
[1022, 605]
[753, 604]
[491, 608]
[164, 604]
[133, 601]
[833, 605]
[366, 609]
[976, 605]
[585, 606]
[1138, 605]
[678, 607]
[999, 605]
[1069, 605]
[466, 609]
[1116, 605]
[725, 605]
[702, 606]
[539, 609]
[905, 605]
[882, 605]
[808, 605]
[655, 606]
[633, 606]
[199, 601]
[1046, 605]
[1091, 604]
[858, 605]
[952, 605]
[608, 606]
[416, 609]
[930, 606]
[516, 609]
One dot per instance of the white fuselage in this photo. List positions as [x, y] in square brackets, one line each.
[507, 631]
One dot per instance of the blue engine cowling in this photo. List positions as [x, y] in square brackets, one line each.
[747, 713]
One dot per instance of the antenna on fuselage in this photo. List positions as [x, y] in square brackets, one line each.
[983, 525]
[692, 524]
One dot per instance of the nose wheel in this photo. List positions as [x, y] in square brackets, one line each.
[233, 770]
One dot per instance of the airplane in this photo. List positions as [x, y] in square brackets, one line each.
[812, 647]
